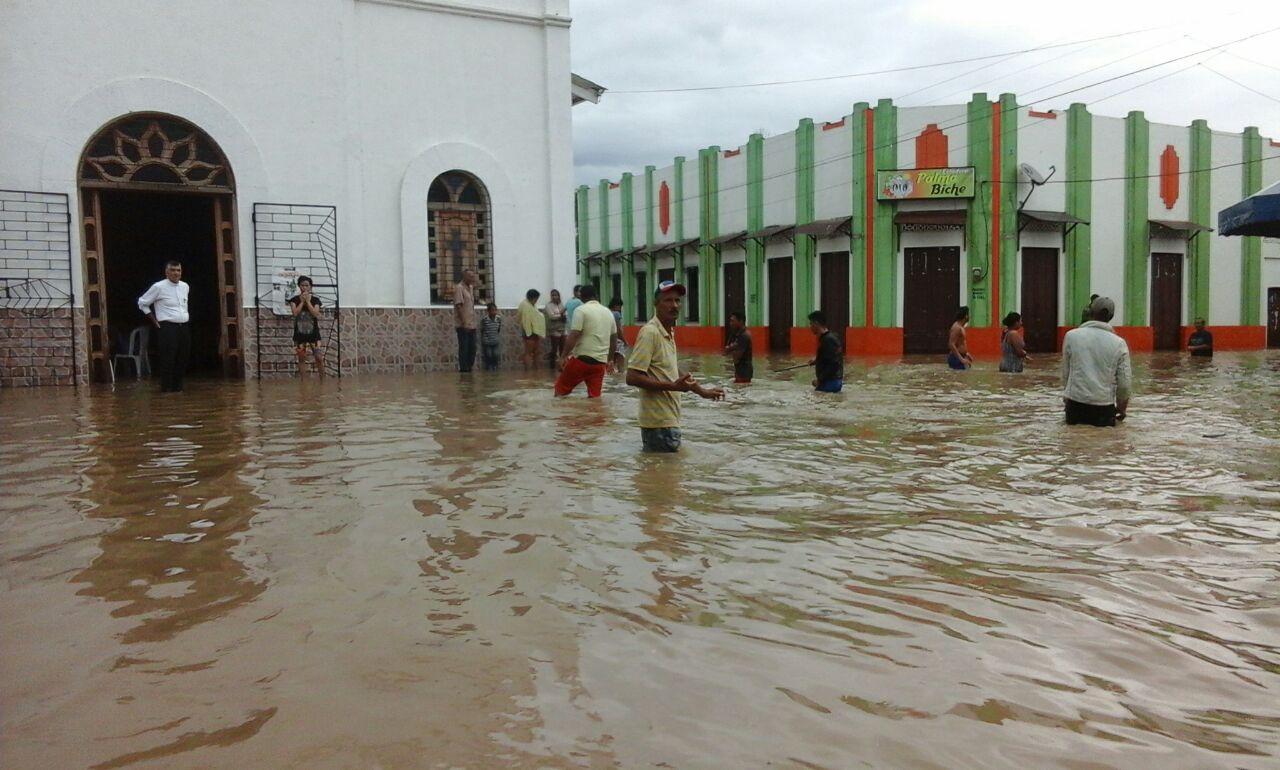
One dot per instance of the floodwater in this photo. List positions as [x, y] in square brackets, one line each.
[926, 571]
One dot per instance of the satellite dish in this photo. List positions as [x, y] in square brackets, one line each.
[1030, 172]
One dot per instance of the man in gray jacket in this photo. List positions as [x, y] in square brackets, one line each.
[1096, 377]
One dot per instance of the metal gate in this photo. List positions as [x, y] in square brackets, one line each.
[293, 240]
[37, 308]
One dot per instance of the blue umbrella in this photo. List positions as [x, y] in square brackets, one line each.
[1259, 214]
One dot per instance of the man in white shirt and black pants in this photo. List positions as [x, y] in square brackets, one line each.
[165, 304]
[1096, 378]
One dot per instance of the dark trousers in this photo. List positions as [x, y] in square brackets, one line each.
[490, 356]
[466, 349]
[174, 340]
[1101, 416]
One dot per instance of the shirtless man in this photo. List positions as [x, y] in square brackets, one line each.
[958, 350]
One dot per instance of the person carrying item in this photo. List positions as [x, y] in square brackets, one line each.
[1013, 351]
[739, 348]
[653, 368]
[1096, 378]
[591, 337]
[957, 344]
[828, 365]
[1201, 341]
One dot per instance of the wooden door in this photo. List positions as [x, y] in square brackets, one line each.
[1273, 317]
[931, 298]
[228, 287]
[641, 311]
[834, 301]
[781, 308]
[1040, 299]
[1166, 301]
[692, 309]
[735, 289]
[95, 288]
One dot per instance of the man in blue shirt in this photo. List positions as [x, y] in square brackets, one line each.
[572, 305]
[1201, 342]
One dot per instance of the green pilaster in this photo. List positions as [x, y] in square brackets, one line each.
[650, 233]
[628, 242]
[755, 221]
[858, 225]
[709, 223]
[1007, 190]
[1137, 244]
[584, 230]
[1080, 205]
[804, 247]
[980, 221]
[677, 216]
[1198, 249]
[885, 272]
[1251, 246]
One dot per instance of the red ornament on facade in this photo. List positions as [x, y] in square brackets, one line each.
[664, 208]
[1169, 177]
[931, 148]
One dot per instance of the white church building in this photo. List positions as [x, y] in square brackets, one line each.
[376, 146]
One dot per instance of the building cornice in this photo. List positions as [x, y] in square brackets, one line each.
[477, 12]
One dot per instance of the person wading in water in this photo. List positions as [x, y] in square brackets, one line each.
[958, 347]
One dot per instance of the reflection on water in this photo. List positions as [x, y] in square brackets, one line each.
[927, 570]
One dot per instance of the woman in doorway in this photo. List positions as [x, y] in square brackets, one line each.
[533, 327]
[555, 313]
[306, 327]
[1013, 351]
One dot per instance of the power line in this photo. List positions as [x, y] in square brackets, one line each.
[902, 137]
[1237, 82]
[890, 71]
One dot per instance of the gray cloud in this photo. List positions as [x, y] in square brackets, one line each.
[672, 44]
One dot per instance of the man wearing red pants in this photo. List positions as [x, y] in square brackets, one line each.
[592, 334]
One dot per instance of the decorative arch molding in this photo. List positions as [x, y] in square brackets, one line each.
[506, 219]
[67, 137]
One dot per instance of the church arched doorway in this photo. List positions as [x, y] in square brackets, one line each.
[154, 187]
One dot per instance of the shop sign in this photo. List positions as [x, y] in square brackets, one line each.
[918, 183]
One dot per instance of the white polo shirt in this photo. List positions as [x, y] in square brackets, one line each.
[168, 299]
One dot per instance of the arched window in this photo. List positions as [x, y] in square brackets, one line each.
[458, 235]
[149, 149]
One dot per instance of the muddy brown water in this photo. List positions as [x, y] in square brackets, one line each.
[926, 571]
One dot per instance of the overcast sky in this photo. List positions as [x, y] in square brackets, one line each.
[626, 45]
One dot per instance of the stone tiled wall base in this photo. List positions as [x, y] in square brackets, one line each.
[36, 348]
[274, 334]
[374, 341]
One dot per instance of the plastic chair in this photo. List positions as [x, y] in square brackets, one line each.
[139, 338]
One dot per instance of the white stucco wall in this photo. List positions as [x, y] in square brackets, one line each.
[349, 103]
[780, 179]
[692, 192]
[1225, 189]
[1042, 142]
[1163, 136]
[1106, 223]
[659, 176]
[833, 170]
[733, 192]
[951, 119]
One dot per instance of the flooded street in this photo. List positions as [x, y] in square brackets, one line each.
[928, 570]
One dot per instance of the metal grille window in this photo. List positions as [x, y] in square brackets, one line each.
[458, 235]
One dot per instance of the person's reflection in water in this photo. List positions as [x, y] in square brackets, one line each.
[661, 496]
[177, 494]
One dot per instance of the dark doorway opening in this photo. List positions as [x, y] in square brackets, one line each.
[615, 289]
[781, 308]
[691, 310]
[1273, 317]
[931, 298]
[641, 313]
[141, 231]
[735, 290]
[835, 291]
[1166, 300]
[1040, 299]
